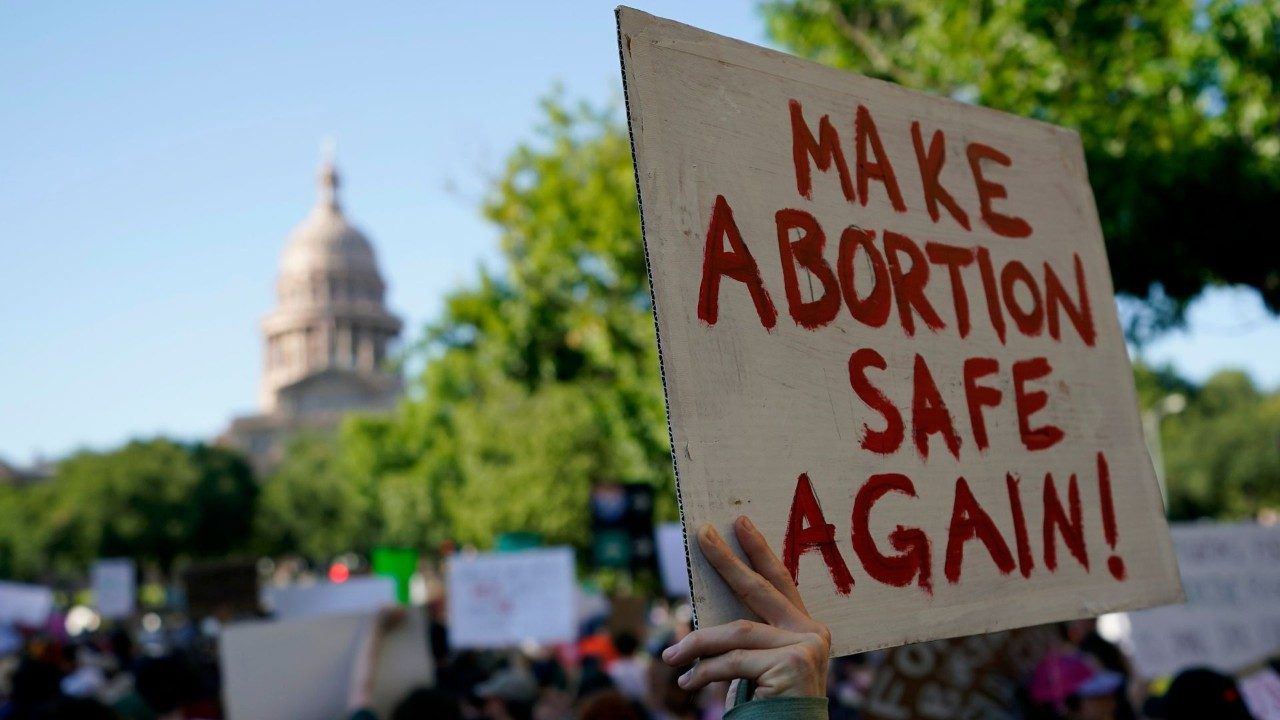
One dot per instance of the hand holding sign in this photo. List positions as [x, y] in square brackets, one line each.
[787, 657]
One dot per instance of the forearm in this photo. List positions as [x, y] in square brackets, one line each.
[364, 673]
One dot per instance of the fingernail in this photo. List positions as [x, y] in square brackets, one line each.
[684, 679]
[746, 522]
[669, 653]
[709, 532]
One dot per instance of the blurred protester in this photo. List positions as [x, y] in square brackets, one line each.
[420, 703]
[609, 705]
[509, 695]
[1199, 694]
[630, 671]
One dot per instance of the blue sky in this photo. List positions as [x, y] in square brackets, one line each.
[153, 156]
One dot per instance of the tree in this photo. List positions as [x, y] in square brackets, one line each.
[1222, 454]
[1177, 103]
[312, 504]
[153, 500]
[541, 379]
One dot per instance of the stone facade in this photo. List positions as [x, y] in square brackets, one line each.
[326, 343]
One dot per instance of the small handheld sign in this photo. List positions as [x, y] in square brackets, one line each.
[888, 335]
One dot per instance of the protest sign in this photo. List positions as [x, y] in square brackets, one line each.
[355, 595]
[114, 584]
[301, 669]
[1261, 692]
[25, 605]
[399, 564]
[505, 599]
[1231, 620]
[887, 334]
[969, 677]
[671, 560]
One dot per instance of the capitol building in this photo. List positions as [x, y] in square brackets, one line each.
[326, 342]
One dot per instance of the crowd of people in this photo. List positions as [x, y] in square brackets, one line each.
[776, 667]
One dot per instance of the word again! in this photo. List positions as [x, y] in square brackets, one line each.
[913, 560]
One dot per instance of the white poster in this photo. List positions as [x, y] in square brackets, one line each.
[358, 594]
[672, 563]
[25, 605]
[1231, 574]
[301, 669]
[114, 585]
[505, 599]
[1261, 692]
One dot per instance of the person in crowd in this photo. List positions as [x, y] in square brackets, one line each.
[1199, 694]
[509, 695]
[608, 705]
[630, 670]
[420, 703]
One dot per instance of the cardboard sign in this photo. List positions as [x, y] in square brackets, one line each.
[672, 564]
[114, 584]
[25, 605]
[501, 600]
[1231, 619]
[888, 335]
[969, 677]
[301, 669]
[357, 594]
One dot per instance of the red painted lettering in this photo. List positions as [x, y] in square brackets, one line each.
[954, 258]
[1006, 225]
[978, 396]
[1056, 297]
[929, 413]
[912, 560]
[889, 439]
[930, 168]
[1071, 530]
[736, 263]
[968, 521]
[1029, 322]
[908, 285]
[808, 530]
[807, 253]
[873, 310]
[865, 132]
[823, 152]
[1029, 403]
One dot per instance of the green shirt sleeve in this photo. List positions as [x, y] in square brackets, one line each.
[802, 708]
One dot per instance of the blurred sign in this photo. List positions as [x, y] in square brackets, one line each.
[301, 669]
[25, 605]
[622, 525]
[114, 584]
[358, 594]
[889, 336]
[671, 560]
[1231, 619]
[1261, 692]
[505, 599]
[400, 564]
[226, 589]
[968, 677]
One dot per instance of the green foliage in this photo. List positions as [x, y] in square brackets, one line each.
[1177, 103]
[1222, 452]
[153, 500]
[311, 504]
[540, 380]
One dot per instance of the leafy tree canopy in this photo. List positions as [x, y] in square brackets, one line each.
[541, 379]
[1177, 103]
[153, 500]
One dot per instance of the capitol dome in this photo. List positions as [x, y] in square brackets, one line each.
[330, 316]
[324, 241]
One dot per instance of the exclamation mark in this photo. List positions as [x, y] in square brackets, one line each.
[1115, 563]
